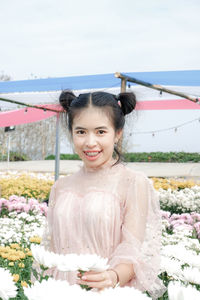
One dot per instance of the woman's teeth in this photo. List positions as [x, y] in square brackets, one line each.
[92, 153]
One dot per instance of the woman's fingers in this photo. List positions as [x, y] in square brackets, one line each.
[95, 280]
[95, 277]
[96, 284]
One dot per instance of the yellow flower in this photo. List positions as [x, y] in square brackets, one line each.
[170, 183]
[24, 284]
[15, 277]
[13, 257]
[35, 239]
[25, 185]
[21, 265]
[14, 246]
[5, 255]
[11, 264]
[21, 254]
[7, 249]
[2, 249]
[29, 253]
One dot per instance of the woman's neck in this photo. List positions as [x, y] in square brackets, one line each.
[104, 166]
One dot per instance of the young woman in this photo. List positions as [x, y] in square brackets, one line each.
[105, 208]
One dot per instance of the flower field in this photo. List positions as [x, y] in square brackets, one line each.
[23, 219]
[25, 184]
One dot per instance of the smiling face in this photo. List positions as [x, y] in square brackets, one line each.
[94, 137]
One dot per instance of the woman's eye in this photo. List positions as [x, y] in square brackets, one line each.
[101, 131]
[80, 132]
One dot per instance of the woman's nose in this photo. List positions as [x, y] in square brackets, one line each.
[91, 140]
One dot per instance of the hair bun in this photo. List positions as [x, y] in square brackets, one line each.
[128, 102]
[66, 98]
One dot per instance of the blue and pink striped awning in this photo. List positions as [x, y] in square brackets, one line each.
[189, 78]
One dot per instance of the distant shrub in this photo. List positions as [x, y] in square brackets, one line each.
[14, 156]
[161, 157]
[64, 157]
[144, 157]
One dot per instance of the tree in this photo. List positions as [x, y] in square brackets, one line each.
[4, 77]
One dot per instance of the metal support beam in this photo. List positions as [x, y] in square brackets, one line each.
[123, 85]
[154, 86]
[123, 90]
[57, 148]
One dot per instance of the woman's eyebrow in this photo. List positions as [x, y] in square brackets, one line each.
[78, 127]
[101, 127]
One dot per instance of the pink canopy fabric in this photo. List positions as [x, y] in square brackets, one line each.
[29, 115]
[167, 105]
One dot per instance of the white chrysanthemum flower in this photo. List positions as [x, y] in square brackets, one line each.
[177, 291]
[172, 267]
[69, 262]
[123, 293]
[181, 253]
[43, 257]
[191, 275]
[92, 262]
[186, 199]
[14, 230]
[58, 289]
[8, 288]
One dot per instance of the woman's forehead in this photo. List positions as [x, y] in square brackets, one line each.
[92, 117]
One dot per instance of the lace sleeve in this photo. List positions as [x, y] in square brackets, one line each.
[141, 236]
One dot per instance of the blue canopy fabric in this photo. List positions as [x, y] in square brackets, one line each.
[177, 78]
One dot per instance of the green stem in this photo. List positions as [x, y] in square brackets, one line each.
[84, 286]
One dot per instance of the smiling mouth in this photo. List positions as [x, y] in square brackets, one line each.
[92, 153]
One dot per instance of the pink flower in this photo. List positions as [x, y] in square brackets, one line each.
[165, 214]
[188, 219]
[174, 217]
[177, 222]
[195, 216]
[26, 208]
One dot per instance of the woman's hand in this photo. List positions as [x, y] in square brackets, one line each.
[98, 280]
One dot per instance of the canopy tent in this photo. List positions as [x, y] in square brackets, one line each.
[45, 91]
[11, 89]
[171, 78]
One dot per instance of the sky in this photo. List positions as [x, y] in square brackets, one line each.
[48, 38]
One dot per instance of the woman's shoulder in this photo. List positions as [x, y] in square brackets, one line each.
[129, 173]
[63, 181]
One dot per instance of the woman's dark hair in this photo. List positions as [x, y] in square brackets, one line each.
[115, 106]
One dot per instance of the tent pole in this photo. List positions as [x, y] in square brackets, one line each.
[57, 150]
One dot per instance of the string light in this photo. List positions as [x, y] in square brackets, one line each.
[175, 128]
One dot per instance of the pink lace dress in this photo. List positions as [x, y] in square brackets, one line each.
[112, 212]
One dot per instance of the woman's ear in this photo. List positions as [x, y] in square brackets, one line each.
[118, 135]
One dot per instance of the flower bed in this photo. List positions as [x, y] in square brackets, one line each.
[173, 184]
[22, 222]
[185, 200]
[26, 184]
